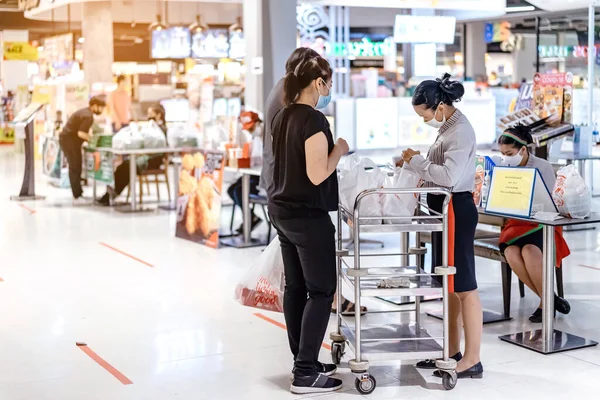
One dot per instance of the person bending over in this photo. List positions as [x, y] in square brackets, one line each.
[74, 133]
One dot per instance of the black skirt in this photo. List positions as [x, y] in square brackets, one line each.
[462, 223]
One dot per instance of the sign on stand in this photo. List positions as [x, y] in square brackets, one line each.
[100, 166]
[518, 192]
[199, 197]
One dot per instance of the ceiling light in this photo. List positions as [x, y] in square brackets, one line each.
[157, 25]
[519, 9]
[198, 26]
[237, 27]
[81, 40]
[40, 48]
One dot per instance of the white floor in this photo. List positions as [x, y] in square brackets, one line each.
[174, 330]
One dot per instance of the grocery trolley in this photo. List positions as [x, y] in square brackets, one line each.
[409, 341]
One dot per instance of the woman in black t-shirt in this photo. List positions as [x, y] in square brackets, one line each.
[303, 192]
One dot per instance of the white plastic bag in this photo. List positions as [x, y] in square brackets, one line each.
[400, 205]
[256, 155]
[128, 138]
[571, 194]
[358, 175]
[153, 136]
[262, 287]
[179, 135]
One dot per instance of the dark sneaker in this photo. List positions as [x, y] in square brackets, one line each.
[318, 383]
[325, 369]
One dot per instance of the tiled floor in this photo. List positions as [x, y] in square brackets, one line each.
[174, 330]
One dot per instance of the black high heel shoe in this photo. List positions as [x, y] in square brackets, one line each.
[475, 372]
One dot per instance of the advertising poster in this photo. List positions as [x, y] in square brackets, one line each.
[199, 197]
[54, 164]
[553, 96]
[100, 166]
[376, 123]
[525, 97]
[414, 132]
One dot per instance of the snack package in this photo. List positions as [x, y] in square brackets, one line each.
[571, 194]
[262, 287]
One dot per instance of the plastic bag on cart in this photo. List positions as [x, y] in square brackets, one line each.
[571, 194]
[361, 174]
[153, 136]
[400, 205]
[262, 287]
[178, 135]
[128, 138]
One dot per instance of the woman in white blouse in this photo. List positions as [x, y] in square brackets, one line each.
[450, 163]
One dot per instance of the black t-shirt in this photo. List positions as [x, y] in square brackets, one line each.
[292, 193]
[79, 121]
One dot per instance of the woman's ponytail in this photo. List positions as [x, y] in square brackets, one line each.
[291, 88]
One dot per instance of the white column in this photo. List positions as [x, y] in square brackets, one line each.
[97, 29]
[270, 34]
[475, 47]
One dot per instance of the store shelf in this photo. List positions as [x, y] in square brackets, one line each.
[394, 343]
[421, 283]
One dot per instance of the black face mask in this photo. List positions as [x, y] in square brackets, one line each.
[96, 112]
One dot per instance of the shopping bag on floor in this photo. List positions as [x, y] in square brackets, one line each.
[400, 205]
[571, 194]
[262, 287]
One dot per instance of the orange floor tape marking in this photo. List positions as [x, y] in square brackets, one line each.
[31, 211]
[126, 255]
[100, 361]
[589, 266]
[282, 326]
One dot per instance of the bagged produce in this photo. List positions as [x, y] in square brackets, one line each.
[571, 194]
[178, 135]
[357, 175]
[262, 287]
[128, 138]
[153, 136]
[400, 205]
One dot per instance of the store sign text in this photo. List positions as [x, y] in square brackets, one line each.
[364, 48]
[564, 51]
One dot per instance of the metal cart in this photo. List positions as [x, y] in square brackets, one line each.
[400, 341]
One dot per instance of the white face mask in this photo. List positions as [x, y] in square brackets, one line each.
[512, 161]
[434, 123]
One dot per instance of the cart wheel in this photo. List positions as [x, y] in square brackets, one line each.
[366, 386]
[449, 380]
[337, 352]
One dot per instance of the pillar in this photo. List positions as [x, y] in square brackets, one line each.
[98, 53]
[475, 48]
[270, 34]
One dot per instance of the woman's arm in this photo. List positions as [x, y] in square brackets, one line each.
[319, 163]
[456, 158]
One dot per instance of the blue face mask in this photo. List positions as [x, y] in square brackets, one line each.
[323, 100]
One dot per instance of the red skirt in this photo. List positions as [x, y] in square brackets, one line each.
[515, 229]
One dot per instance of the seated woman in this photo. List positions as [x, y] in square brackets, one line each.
[156, 113]
[522, 242]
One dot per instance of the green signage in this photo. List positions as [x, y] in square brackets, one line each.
[363, 48]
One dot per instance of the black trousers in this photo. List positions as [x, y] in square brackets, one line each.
[308, 250]
[122, 172]
[71, 148]
[235, 190]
